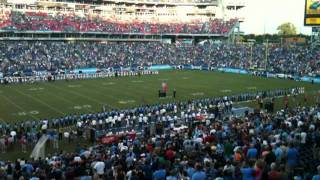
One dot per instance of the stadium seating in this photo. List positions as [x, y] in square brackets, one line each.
[199, 139]
[31, 56]
[41, 21]
[150, 1]
[178, 139]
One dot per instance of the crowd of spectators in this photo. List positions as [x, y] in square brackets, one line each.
[42, 21]
[199, 139]
[29, 56]
[196, 140]
[152, 1]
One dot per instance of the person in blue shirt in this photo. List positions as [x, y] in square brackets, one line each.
[252, 152]
[199, 174]
[317, 177]
[172, 175]
[278, 152]
[292, 156]
[248, 173]
[190, 170]
[29, 168]
[147, 169]
[160, 174]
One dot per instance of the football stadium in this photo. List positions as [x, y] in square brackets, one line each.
[158, 90]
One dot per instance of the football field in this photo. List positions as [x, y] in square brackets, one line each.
[56, 99]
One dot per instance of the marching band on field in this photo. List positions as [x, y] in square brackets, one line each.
[49, 77]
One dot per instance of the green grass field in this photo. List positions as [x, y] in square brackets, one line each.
[50, 100]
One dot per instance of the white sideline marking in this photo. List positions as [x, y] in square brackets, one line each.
[78, 107]
[185, 77]
[197, 94]
[252, 88]
[137, 81]
[108, 84]
[226, 90]
[36, 89]
[74, 86]
[126, 102]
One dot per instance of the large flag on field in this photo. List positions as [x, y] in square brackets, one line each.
[39, 150]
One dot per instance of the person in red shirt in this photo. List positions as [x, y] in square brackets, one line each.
[23, 143]
[274, 174]
[286, 101]
[170, 154]
[259, 167]
[210, 138]
[149, 147]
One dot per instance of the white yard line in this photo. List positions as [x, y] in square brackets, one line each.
[19, 107]
[106, 94]
[64, 99]
[80, 95]
[40, 101]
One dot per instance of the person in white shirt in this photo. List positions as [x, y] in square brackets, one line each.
[140, 121]
[113, 122]
[145, 119]
[303, 137]
[94, 122]
[99, 168]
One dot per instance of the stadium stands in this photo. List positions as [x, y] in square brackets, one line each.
[42, 21]
[28, 56]
[150, 1]
[200, 139]
[199, 136]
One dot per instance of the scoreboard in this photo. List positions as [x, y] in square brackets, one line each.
[312, 13]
